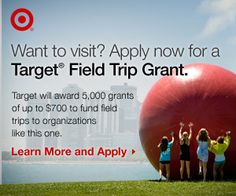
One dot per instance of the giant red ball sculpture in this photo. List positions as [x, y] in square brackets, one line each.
[206, 97]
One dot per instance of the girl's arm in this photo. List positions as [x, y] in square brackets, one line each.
[172, 136]
[227, 138]
[212, 146]
[190, 130]
[209, 141]
[173, 139]
[180, 129]
[197, 137]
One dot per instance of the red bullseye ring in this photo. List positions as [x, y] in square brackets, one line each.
[22, 19]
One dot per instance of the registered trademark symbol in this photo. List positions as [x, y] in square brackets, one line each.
[61, 65]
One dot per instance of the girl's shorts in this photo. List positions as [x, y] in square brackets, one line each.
[219, 163]
[165, 162]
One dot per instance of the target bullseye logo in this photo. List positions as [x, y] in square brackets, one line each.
[22, 19]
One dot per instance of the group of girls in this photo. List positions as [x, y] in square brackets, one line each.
[205, 144]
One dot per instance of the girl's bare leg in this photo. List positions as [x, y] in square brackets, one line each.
[188, 169]
[204, 164]
[167, 172]
[222, 172]
[161, 166]
[200, 167]
[215, 168]
[181, 169]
